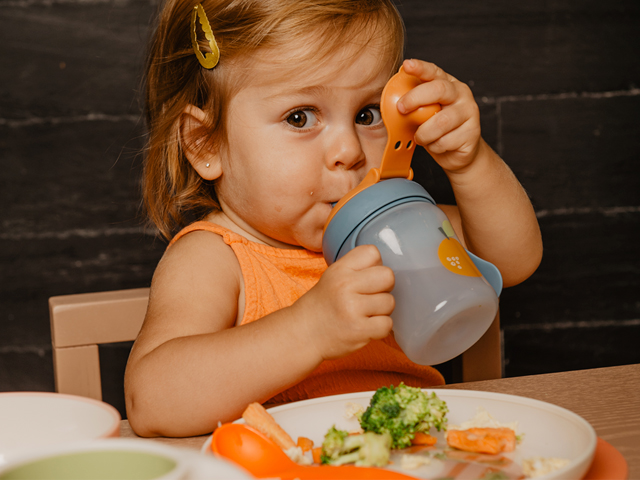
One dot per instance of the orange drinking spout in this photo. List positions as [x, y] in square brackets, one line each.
[401, 129]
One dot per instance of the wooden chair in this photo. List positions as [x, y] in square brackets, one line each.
[81, 322]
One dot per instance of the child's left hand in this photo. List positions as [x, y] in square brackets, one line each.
[452, 136]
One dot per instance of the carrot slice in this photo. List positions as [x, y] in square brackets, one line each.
[317, 454]
[305, 443]
[421, 438]
[257, 417]
[483, 440]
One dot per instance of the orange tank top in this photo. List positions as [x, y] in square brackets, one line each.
[274, 278]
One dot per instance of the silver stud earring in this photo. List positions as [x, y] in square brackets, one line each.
[207, 165]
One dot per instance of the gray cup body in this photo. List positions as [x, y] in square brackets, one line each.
[439, 314]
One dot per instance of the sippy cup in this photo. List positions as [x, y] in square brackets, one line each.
[446, 297]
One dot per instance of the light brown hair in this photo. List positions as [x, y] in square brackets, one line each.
[173, 192]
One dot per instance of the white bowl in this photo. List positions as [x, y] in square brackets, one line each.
[118, 459]
[30, 420]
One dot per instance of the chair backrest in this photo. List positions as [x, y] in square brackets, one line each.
[81, 322]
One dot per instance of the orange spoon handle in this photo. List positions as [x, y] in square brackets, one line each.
[262, 458]
[401, 128]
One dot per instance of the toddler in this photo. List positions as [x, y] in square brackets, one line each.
[261, 115]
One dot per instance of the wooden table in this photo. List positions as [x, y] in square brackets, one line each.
[608, 398]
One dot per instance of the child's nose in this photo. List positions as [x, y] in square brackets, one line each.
[345, 151]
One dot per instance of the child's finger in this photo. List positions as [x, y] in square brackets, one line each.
[456, 140]
[379, 304]
[373, 280]
[436, 91]
[361, 257]
[379, 326]
[425, 71]
[446, 121]
[362, 307]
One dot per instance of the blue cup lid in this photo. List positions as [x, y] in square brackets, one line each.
[370, 202]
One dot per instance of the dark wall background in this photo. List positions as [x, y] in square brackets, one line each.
[558, 85]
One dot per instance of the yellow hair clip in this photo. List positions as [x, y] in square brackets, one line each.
[207, 60]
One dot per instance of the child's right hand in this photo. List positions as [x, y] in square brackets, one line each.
[350, 305]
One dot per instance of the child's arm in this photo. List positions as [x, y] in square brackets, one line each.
[493, 217]
[189, 369]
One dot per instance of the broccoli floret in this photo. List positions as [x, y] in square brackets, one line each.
[365, 450]
[402, 411]
[332, 445]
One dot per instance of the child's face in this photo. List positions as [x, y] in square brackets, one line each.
[298, 144]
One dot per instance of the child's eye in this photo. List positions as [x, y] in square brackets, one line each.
[369, 116]
[302, 119]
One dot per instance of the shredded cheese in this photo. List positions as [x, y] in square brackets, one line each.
[411, 462]
[353, 410]
[484, 420]
[297, 455]
[539, 466]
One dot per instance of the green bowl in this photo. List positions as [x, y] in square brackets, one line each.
[101, 463]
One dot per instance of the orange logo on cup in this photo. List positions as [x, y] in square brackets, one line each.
[453, 256]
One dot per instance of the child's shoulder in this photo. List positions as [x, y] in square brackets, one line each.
[206, 226]
[199, 252]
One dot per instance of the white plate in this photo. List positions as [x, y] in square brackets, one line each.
[549, 430]
[31, 420]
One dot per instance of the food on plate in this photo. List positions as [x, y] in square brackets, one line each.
[316, 454]
[367, 449]
[483, 440]
[539, 466]
[353, 410]
[483, 434]
[305, 444]
[297, 455]
[421, 438]
[397, 417]
[394, 431]
[412, 462]
[402, 411]
[483, 419]
[257, 417]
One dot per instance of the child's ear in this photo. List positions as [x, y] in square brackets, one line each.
[196, 144]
